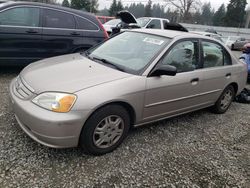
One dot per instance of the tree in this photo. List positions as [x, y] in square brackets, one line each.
[65, 3]
[80, 4]
[184, 7]
[115, 7]
[207, 14]
[148, 10]
[88, 5]
[219, 16]
[137, 9]
[235, 13]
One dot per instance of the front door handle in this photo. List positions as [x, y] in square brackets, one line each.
[194, 81]
[228, 75]
[31, 31]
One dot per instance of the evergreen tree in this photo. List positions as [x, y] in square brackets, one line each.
[80, 4]
[148, 10]
[65, 3]
[115, 7]
[235, 13]
[119, 6]
[218, 19]
[207, 14]
[112, 9]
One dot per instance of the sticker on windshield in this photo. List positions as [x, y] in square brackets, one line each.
[153, 41]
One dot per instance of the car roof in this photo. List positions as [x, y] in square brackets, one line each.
[170, 33]
[154, 18]
[204, 33]
[20, 3]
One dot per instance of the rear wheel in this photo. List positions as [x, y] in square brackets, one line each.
[224, 101]
[232, 47]
[105, 130]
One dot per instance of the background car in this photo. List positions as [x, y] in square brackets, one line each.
[33, 31]
[236, 42]
[134, 78]
[127, 21]
[208, 34]
[111, 24]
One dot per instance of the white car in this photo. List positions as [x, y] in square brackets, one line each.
[128, 21]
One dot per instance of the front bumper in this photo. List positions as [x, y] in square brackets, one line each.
[57, 130]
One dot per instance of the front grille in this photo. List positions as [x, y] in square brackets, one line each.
[21, 90]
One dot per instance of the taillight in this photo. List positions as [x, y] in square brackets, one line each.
[106, 36]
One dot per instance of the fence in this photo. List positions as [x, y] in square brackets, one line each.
[225, 31]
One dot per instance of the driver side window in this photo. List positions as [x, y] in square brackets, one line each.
[184, 56]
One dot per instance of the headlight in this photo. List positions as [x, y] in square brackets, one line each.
[56, 102]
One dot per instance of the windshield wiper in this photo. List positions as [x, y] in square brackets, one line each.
[105, 61]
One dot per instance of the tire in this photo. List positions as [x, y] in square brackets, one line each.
[224, 101]
[232, 47]
[105, 130]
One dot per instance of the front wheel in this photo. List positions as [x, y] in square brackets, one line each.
[105, 130]
[224, 101]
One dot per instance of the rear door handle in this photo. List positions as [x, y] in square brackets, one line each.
[31, 31]
[75, 34]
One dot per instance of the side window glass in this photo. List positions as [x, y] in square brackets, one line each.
[58, 19]
[85, 24]
[21, 16]
[184, 56]
[212, 55]
[154, 24]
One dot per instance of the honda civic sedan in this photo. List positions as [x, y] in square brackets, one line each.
[92, 99]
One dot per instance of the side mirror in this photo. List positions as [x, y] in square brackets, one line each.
[167, 70]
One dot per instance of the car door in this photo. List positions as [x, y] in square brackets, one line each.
[59, 34]
[172, 95]
[217, 69]
[20, 35]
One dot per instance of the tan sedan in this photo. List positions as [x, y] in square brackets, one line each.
[137, 77]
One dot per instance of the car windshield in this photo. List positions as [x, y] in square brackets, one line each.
[113, 22]
[142, 22]
[130, 51]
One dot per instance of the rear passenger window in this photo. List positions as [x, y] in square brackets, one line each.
[58, 19]
[212, 55]
[85, 24]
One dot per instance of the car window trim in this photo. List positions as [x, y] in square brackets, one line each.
[171, 47]
[224, 50]
[41, 7]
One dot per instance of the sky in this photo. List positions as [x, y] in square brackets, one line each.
[214, 3]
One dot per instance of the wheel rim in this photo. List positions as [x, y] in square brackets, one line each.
[108, 131]
[226, 99]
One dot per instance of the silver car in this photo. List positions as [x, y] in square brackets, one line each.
[137, 77]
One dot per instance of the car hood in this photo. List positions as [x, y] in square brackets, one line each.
[126, 17]
[68, 73]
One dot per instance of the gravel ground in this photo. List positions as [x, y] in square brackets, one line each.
[199, 149]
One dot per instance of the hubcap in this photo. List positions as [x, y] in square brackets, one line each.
[108, 131]
[226, 99]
